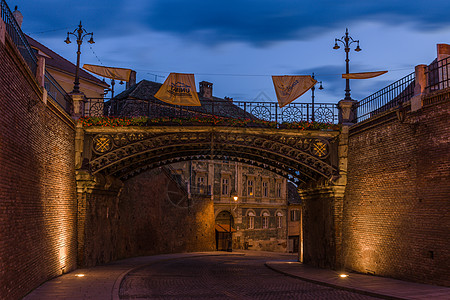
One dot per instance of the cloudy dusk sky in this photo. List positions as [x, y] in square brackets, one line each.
[238, 44]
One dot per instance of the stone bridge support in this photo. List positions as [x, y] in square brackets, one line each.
[98, 218]
[322, 214]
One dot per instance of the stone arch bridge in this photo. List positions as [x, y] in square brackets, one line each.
[304, 157]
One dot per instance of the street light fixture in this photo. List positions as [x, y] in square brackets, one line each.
[79, 33]
[346, 41]
[234, 196]
[312, 96]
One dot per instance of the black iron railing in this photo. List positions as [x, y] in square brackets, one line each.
[267, 111]
[438, 75]
[391, 96]
[18, 37]
[54, 90]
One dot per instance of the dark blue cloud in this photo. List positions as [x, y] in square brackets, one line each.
[259, 22]
[267, 21]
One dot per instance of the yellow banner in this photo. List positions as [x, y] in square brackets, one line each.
[109, 72]
[288, 88]
[364, 75]
[179, 89]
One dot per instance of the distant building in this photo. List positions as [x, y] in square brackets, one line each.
[294, 219]
[63, 71]
[259, 217]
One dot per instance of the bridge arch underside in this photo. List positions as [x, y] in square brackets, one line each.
[298, 159]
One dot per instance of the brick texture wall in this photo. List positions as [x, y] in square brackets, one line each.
[37, 185]
[149, 214]
[321, 217]
[157, 217]
[396, 220]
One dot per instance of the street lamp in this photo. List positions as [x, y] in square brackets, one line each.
[79, 33]
[346, 41]
[234, 196]
[312, 96]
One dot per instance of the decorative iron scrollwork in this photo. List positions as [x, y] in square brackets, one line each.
[291, 114]
[324, 115]
[320, 148]
[261, 112]
[102, 143]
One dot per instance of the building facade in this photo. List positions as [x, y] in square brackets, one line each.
[258, 217]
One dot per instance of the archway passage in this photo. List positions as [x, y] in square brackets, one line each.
[299, 156]
[224, 228]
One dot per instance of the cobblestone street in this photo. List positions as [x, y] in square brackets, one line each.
[222, 277]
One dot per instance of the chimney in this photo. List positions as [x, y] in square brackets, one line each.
[132, 80]
[443, 51]
[206, 89]
[18, 16]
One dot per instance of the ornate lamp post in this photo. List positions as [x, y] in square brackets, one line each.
[312, 96]
[347, 41]
[235, 197]
[79, 33]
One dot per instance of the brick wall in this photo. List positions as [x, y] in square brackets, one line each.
[149, 214]
[37, 185]
[397, 200]
[157, 217]
[321, 217]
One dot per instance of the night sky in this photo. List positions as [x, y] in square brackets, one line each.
[238, 44]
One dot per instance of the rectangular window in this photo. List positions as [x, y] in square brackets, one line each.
[279, 221]
[265, 222]
[250, 188]
[225, 186]
[265, 189]
[251, 222]
[200, 181]
[295, 215]
[279, 189]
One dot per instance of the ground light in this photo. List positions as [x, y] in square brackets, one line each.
[79, 275]
[343, 275]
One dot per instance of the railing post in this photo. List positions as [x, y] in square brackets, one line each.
[420, 85]
[347, 112]
[78, 105]
[2, 30]
[276, 113]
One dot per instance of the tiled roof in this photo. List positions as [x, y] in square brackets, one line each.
[293, 196]
[58, 62]
[145, 90]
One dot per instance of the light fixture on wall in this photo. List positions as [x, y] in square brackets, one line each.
[401, 112]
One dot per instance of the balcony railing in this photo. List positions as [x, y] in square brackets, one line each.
[267, 111]
[438, 75]
[54, 90]
[386, 98]
[18, 37]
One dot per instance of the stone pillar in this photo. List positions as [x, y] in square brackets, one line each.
[443, 51]
[132, 80]
[2, 31]
[92, 190]
[347, 111]
[78, 105]
[419, 89]
[40, 70]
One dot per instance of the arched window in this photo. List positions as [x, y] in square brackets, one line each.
[279, 219]
[265, 220]
[251, 220]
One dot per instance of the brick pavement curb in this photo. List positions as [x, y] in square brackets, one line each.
[354, 290]
[369, 285]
